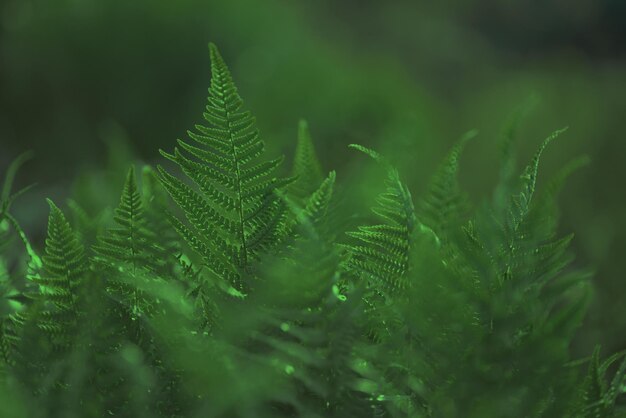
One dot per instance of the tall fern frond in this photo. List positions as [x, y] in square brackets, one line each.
[64, 270]
[523, 296]
[235, 215]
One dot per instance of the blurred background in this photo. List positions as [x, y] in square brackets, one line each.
[90, 86]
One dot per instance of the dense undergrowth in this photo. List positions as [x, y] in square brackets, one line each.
[227, 289]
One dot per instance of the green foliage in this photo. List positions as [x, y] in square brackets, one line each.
[235, 292]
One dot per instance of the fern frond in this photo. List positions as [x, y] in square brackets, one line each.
[312, 218]
[131, 252]
[509, 134]
[64, 270]
[598, 396]
[132, 244]
[235, 215]
[520, 204]
[380, 257]
[307, 169]
[381, 254]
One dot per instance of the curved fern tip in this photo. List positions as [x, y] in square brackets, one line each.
[469, 135]
[51, 204]
[214, 53]
[375, 155]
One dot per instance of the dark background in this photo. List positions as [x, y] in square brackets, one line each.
[92, 85]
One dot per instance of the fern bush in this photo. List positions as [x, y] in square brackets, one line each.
[224, 288]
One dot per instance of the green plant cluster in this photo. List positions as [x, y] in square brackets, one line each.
[225, 289]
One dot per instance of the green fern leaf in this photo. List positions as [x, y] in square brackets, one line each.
[132, 244]
[382, 252]
[598, 395]
[64, 270]
[312, 218]
[520, 205]
[235, 215]
[506, 181]
[380, 256]
[131, 252]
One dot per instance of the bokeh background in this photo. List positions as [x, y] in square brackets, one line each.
[91, 85]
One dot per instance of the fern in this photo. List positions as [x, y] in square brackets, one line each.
[133, 244]
[64, 271]
[236, 215]
[598, 397]
[522, 295]
[380, 259]
[225, 293]
[131, 252]
[382, 255]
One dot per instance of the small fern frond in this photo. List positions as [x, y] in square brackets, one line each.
[64, 270]
[598, 396]
[131, 252]
[520, 205]
[235, 215]
[307, 169]
[313, 216]
[132, 244]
